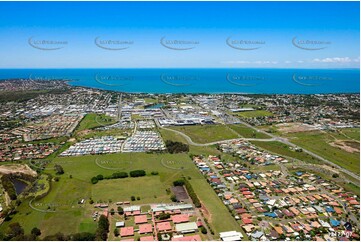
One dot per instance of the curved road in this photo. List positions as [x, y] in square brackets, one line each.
[273, 138]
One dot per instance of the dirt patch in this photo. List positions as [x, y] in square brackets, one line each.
[206, 213]
[72, 140]
[84, 132]
[347, 145]
[18, 168]
[295, 127]
[180, 193]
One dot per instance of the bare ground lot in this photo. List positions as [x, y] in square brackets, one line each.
[17, 168]
[295, 127]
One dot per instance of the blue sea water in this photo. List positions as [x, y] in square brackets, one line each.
[193, 80]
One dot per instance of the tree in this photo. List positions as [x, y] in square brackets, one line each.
[137, 173]
[84, 236]
[100, 177]
[103, 228]
[120, 210]
[132, 198]
[203, 230]
[94, 180]
[116, 232]
[35, 231]
[164, 215]
[112, 211]
[58, 169]
[173, 198]
[179, 182]
[15, 230]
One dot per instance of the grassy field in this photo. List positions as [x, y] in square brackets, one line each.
[283, 149]
[246, 132]
[207, 133]
[91, 121]
[320, 143]
[153, 190]
[70, 217]
[254, 114]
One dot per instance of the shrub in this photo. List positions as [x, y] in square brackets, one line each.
[137, 173]
[94, 180]
[119, 175]
[120, 210]
[163, 216]
[173, 198]
[35, 231]
[58, 169]
[192, 194]
[154, 173]
[179, 182]
[176, 147]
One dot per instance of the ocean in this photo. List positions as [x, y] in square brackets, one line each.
[196, 80]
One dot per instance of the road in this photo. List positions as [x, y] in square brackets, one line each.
[273, 138]
[285, 141]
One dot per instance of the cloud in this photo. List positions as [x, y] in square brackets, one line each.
[336, 60]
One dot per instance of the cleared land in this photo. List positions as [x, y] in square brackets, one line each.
[247, 132]
[325, 144]
[207, 133]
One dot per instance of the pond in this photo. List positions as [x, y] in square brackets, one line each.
[19, 186]
[157, 105]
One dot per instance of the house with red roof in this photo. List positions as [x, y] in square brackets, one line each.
[147, 238]
[126, 231]
[140, 219]
[188, 238]
[145, 228]
[164, 226]
[180, 218]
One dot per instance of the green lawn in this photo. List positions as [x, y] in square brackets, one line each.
[319, 143]
[92, 120]
[207, 133]
[254, 114]
[247, 132]
[151, 190]
[70, 217]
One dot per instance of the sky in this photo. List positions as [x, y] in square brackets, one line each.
[179, 35]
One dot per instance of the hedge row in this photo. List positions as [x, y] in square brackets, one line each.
[117, 175]
[192, 194]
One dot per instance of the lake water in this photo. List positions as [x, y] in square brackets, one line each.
[19, 186]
